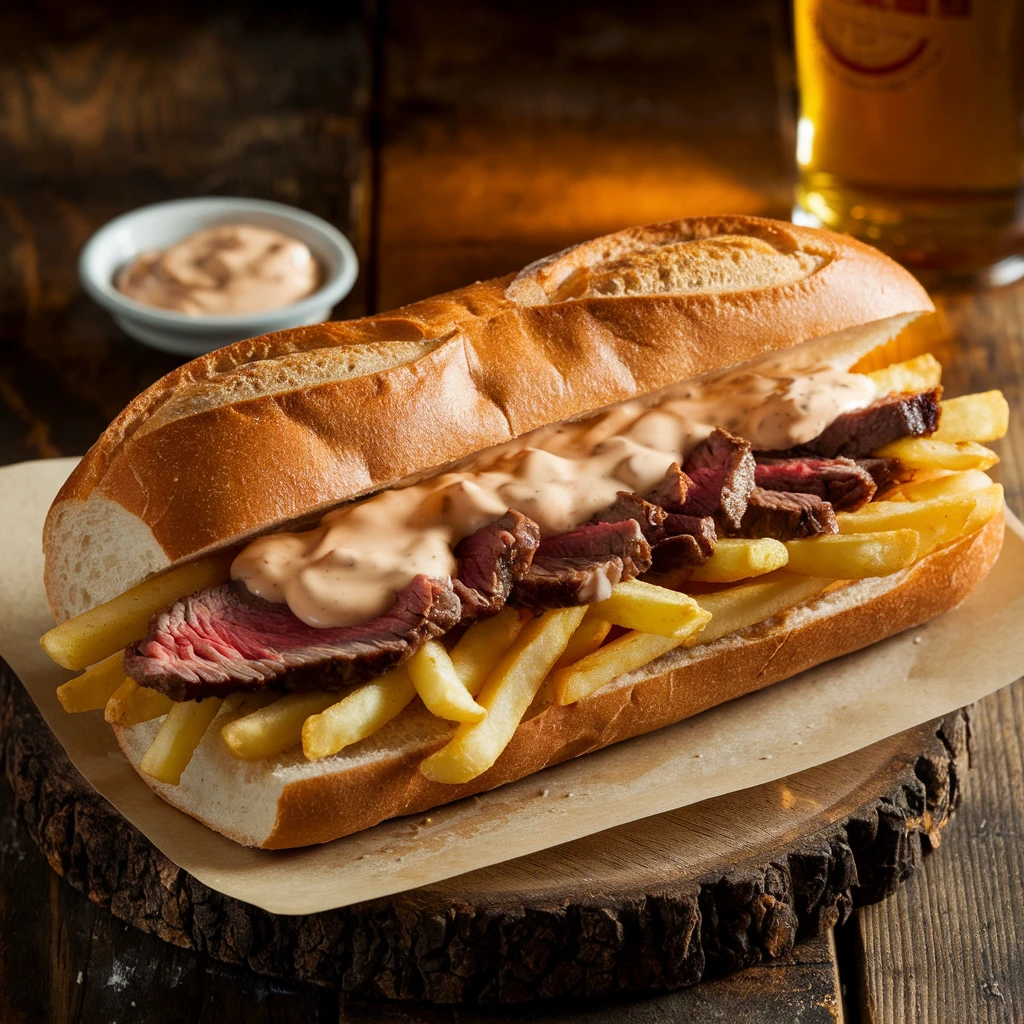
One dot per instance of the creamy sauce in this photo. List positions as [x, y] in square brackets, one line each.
[348, 569]
[232, 268]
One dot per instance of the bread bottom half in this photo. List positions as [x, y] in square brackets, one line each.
[287, 801]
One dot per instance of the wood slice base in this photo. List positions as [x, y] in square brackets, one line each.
[657, 904]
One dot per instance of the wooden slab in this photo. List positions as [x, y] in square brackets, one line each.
[658, 904]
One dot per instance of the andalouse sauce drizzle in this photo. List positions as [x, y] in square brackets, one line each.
[349, 568]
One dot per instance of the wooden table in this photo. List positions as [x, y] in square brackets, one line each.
[450, 141]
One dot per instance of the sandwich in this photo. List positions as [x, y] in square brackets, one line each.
[353, 571]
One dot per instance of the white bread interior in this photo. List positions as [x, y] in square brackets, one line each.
[276, 429]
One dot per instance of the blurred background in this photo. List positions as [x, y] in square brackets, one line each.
[449, 141]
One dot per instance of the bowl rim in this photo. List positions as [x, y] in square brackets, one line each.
[334, 287]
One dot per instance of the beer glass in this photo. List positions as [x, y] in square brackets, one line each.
[911, 129]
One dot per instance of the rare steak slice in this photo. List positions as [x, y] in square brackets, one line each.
[888, 419]
[582, 566]
[716, 480]
[689, 543]
[491, 561]
[786, 516]
[841, 482]
[225, 639]
[648, 516]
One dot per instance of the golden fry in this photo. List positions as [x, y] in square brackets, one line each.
[937, 520]
[945, 484]
[918, 374]
[91, 690]
[924, 453]
[736, 608]
[628, 652]
[131, 704]
[110, 627]
[980, 417]
[990, 501]
[482, 645]
[589, 636]
[737, 559]
[853, 556]
[181, 732]
[361, 713]
[276, 727]
[650, 609]
[439, 686]
[507, 694]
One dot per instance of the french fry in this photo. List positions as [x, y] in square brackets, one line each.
[482, 645]
[650, 609]
[937, 520]
[980, 417]
[990, 501]
[737, 559]
[110, 627]
[738, 607]
[439, 685]
[945, 485]
[275, 728]
[589, 635]
[131, 704]
[91, 690]
[360, 714]
[628, 652]
[507, 694]
[181, 732]
[918, 374]
[924, 453]
[853, 556]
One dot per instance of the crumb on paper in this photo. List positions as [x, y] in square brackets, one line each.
[78, 980]
[765, 757]
[426, 821]
[918, 639]
[698, 755]
[797, 743]
[544, 792]
[569, 794]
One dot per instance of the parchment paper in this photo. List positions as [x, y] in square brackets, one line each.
[818, 716]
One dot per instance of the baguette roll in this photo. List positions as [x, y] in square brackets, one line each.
[276, 430]
[272, 432]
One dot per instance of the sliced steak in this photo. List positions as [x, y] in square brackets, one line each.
[888, 419]
[672, 492]
[582, 566]
[225, 639]
[491, 561]
[884, 471]
[721, 473]
[841, 482]
[786, 516]
[689, 543]
[648, 516]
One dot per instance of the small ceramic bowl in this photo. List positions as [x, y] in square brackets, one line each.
[162, 224]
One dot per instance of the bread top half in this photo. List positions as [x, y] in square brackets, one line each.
[274, 430]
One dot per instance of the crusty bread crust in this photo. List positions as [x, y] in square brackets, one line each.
[253, 436]
[341, 798]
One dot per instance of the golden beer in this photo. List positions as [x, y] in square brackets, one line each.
[911, 127]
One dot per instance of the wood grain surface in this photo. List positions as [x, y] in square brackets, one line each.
[450, 141]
